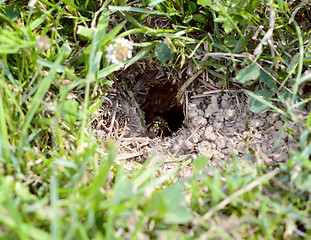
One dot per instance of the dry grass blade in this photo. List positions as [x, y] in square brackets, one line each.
[238, 193]
[113, 119]
[268, 35]
[208, 93]
[133, 101]
[186, 84]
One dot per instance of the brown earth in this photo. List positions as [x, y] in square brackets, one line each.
[212, 123]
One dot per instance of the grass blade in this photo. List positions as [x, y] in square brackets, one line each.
[43, 88]
[54, 198]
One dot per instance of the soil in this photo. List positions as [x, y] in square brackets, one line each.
[215, 124]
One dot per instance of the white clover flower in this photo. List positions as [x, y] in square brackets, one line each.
[119, 51]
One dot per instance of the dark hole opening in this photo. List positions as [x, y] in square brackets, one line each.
[160, 101]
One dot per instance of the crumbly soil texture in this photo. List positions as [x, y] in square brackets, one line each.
[204, 122]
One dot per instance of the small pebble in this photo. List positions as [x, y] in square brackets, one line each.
[220, 142]
[219, 117]
[188, 145]
[192, 106]
[278, 125]
[200, 112]
[240, 147]
[209, 111]
[197, 103]
[224, 102]
[255, 123]
[199, 121]
[262, 115]
[214, 99]
[209, 134]
[270, 119]
[195, 138]
[218, 125]
[229, 114]
[231, 143]
[192, 114]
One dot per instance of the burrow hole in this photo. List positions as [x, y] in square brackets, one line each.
[160, 101]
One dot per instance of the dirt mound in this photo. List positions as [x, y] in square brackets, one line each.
[214, 124]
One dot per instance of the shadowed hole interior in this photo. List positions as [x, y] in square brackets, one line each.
[160, 101]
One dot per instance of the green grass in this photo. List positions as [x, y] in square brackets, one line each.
[55, 182]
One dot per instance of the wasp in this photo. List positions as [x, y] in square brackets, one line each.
[157, 127]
